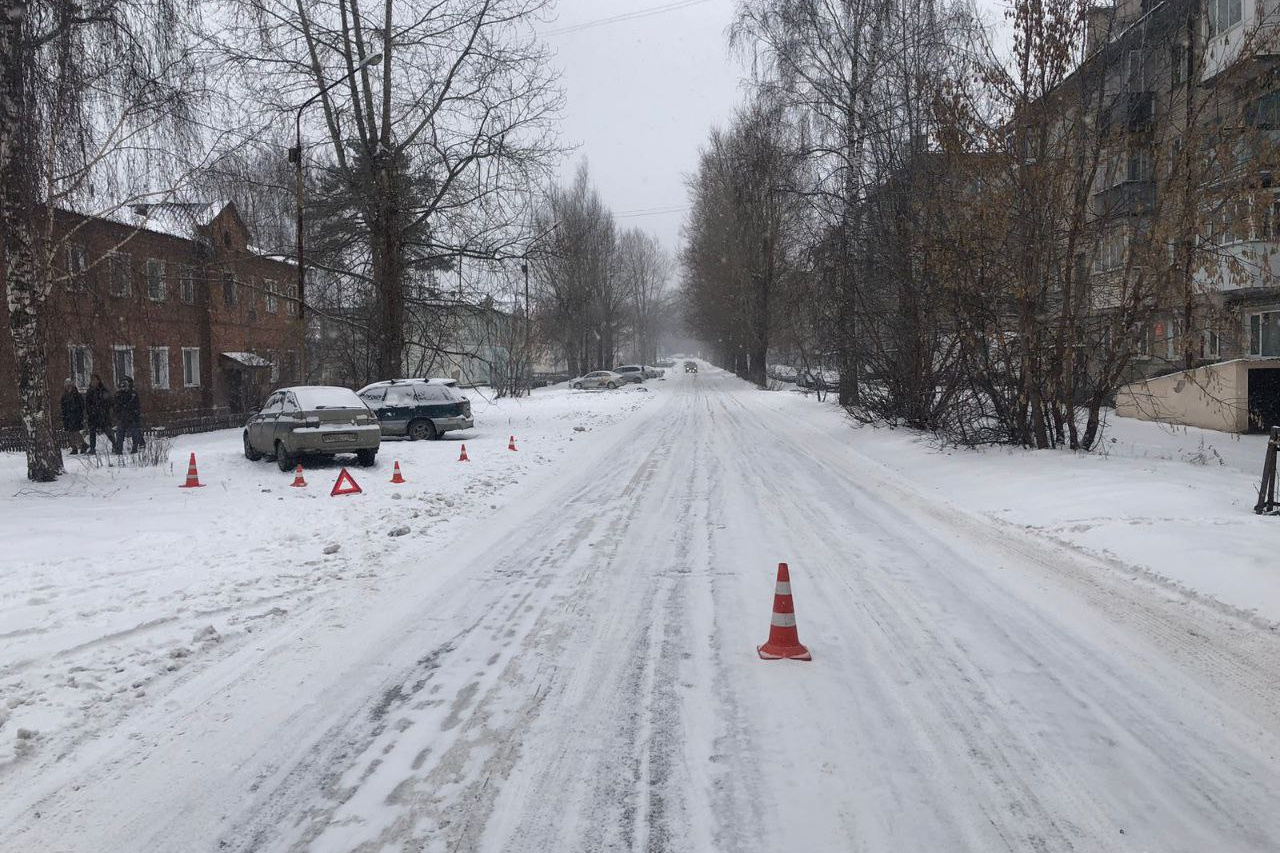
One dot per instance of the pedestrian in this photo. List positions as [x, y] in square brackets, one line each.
[128, 411]
[73, 416]
[97, 406]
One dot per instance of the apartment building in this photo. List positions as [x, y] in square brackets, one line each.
[174, 296]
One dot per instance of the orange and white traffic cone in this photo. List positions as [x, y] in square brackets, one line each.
[784, 640]
[511, 444]
[298, 480]
[462, 457]
[396, 476]
[193, 478]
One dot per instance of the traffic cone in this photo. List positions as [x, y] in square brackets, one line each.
[396, 477]
[193, 478]
[462, 457]
[298, 480]
[784, 640]
[511, 444]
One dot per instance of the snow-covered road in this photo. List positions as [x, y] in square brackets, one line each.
[583, 677]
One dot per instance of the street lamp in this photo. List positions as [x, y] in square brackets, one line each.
[295, 157]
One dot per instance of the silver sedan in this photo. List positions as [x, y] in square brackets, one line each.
[598, 379]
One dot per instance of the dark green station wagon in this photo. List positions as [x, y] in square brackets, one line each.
[417, 408]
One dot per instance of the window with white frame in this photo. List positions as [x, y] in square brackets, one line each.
[159, 368]
[1223, 15]
[77, 266]
[1211, 344]
[291, 301]
[80, 359]
[191, 367]
[155, 279]
[273, 301]
[121, 363]
[121, 275]
[1142, 341]
[187, 284]
[1264, 333]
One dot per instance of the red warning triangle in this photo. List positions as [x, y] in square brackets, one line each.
[345, 485]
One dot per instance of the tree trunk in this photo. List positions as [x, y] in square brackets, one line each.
[24, 290]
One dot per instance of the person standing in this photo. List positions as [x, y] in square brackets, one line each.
[73, 416]
[97, 405]
[128, 411]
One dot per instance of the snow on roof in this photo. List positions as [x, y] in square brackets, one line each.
[177, 219]
[326, 397]
[248, 359]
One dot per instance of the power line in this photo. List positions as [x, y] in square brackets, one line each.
[627, 16]
[651, 211]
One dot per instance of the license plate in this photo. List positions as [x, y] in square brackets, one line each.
[336, 437]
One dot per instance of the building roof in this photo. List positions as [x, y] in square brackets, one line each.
[247, 359]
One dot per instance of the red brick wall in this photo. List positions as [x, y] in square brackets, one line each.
[97, 311]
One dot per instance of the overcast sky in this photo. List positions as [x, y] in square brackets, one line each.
[642, 94]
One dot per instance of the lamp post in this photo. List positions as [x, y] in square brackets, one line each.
[295, 157]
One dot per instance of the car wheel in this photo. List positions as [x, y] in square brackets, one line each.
[249, 453]
[613, 386]
[366, 457]
[577, 386]
[422, 430]
[283, 460]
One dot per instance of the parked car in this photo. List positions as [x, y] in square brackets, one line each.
[666, 362]
[631, 372]
[598, 379]
[651, 372]
[421, 409]
[690, 367]
[782, 372]
[312, 420]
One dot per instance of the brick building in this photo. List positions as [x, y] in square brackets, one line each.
[179, 300]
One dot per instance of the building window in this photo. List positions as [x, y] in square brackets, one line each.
[80, 358]
[1138, 166]
[1135, 69]
[160, 368]
[1264, 333]
[1177, 65]
[121, 280]
[121, 363]
[155, 279]
[291, 301]
[1224, 14]
[251, 298]
[187, 284]
[273, 302]
[229, 295]
[191, 367]
[77, 266]
[1212, 344]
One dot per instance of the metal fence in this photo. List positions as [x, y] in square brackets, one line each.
[13, 438]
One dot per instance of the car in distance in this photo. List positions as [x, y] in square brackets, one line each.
[690, 367]
[421, 409]
[631, 372]
[312, 420]
[651, 372]
[598, 379]
[665, 362]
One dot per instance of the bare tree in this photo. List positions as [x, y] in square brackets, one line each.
[430, 155]
[644, 271]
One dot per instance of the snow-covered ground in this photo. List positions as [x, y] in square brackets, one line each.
[560, 654]
[114, 578]
[1173, 504]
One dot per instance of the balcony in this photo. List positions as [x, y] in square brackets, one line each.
[1127, 198]
[1248, 31]
[1130, 112]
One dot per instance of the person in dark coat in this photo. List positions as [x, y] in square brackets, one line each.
[97, 406]
[128, 411]
[73, 416]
